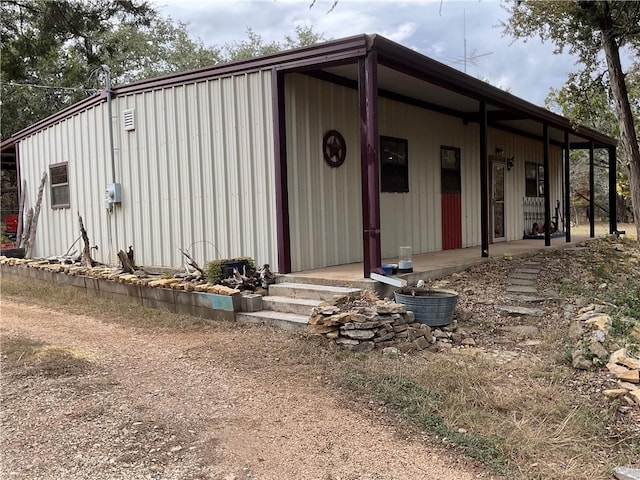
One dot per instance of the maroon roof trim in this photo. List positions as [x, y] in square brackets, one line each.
[53, 119]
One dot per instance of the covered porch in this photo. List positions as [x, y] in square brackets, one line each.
[433, 265]
[389, 92]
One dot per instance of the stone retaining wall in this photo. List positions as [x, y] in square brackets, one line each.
[201, 304]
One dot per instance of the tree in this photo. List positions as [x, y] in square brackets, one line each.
[585, 99]
[62, 43]
[254, 46]
[52, 51]
[590, 29]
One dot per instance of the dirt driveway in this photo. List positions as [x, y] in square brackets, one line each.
[227, 403]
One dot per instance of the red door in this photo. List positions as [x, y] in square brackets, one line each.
[451, 198]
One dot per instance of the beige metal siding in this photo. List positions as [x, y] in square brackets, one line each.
[324, 202]
[77, 142]
[197, 173]
[415, 218]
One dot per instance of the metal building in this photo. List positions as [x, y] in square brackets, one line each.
[330, 154]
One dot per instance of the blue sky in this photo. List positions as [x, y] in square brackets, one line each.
[436, 29]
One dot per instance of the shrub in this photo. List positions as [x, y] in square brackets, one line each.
[215, 269]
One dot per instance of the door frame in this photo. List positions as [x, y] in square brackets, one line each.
[494, 161]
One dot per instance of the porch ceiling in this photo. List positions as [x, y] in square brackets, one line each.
[423, 92]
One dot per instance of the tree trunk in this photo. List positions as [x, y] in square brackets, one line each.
[21, 214]
[34, 222]
[628, 136]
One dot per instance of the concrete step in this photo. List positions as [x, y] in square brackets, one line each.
[286, 321]
[300, 306]
[308, 291]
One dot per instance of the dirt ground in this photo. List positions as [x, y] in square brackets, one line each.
[226, 403]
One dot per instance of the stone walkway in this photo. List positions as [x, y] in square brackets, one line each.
[523, 289]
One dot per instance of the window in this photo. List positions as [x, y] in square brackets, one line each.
[394, 165]
[534, 180]
[450, 169]
[59, 185]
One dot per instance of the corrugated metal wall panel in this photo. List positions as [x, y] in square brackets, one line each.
[197, 173]
[324, 202]
[73, 141]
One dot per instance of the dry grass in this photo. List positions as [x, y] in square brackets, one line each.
[73, 300]
[23, 356]
[519, 418]
[602, 229]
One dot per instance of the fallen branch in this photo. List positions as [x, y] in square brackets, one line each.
[34, 222]
[192, 262]
[85, 258]
[126, 262]
[21, 214]
[22, 242]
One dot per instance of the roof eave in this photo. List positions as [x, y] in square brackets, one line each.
[398, 56]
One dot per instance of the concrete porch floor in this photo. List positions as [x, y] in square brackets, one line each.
[428, 266]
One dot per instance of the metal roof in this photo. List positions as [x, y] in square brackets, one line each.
[402, 73]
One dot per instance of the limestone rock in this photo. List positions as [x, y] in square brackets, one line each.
[623, 373]
[468, 342]
[599, 336]
[626, 473]
[358, 334]
[522, 330]
[363, 347]
[598, 350]
[421, 343]
[391, 352]
[383, 338]
[599, 322]
[581, 363]
[615, 392]
[322, 329]
[635, 394]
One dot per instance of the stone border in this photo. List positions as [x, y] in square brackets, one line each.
[200, 304]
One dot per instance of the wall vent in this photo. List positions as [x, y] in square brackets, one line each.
[129, 119]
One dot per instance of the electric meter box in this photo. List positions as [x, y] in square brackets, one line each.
[114, 192]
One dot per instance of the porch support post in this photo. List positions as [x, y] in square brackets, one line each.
[280, 155]
[484, 181]
[592, 189]
[567, 187]
[547, 198]
[613, 194]
[368, 93]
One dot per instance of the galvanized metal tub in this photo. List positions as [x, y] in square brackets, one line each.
[431, 306]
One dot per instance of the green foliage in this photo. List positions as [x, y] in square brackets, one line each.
[63, 43]
[413, 401]
[255, 46]
[214, 270]
[626, 299]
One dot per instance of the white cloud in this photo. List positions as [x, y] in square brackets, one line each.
[401, 33]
